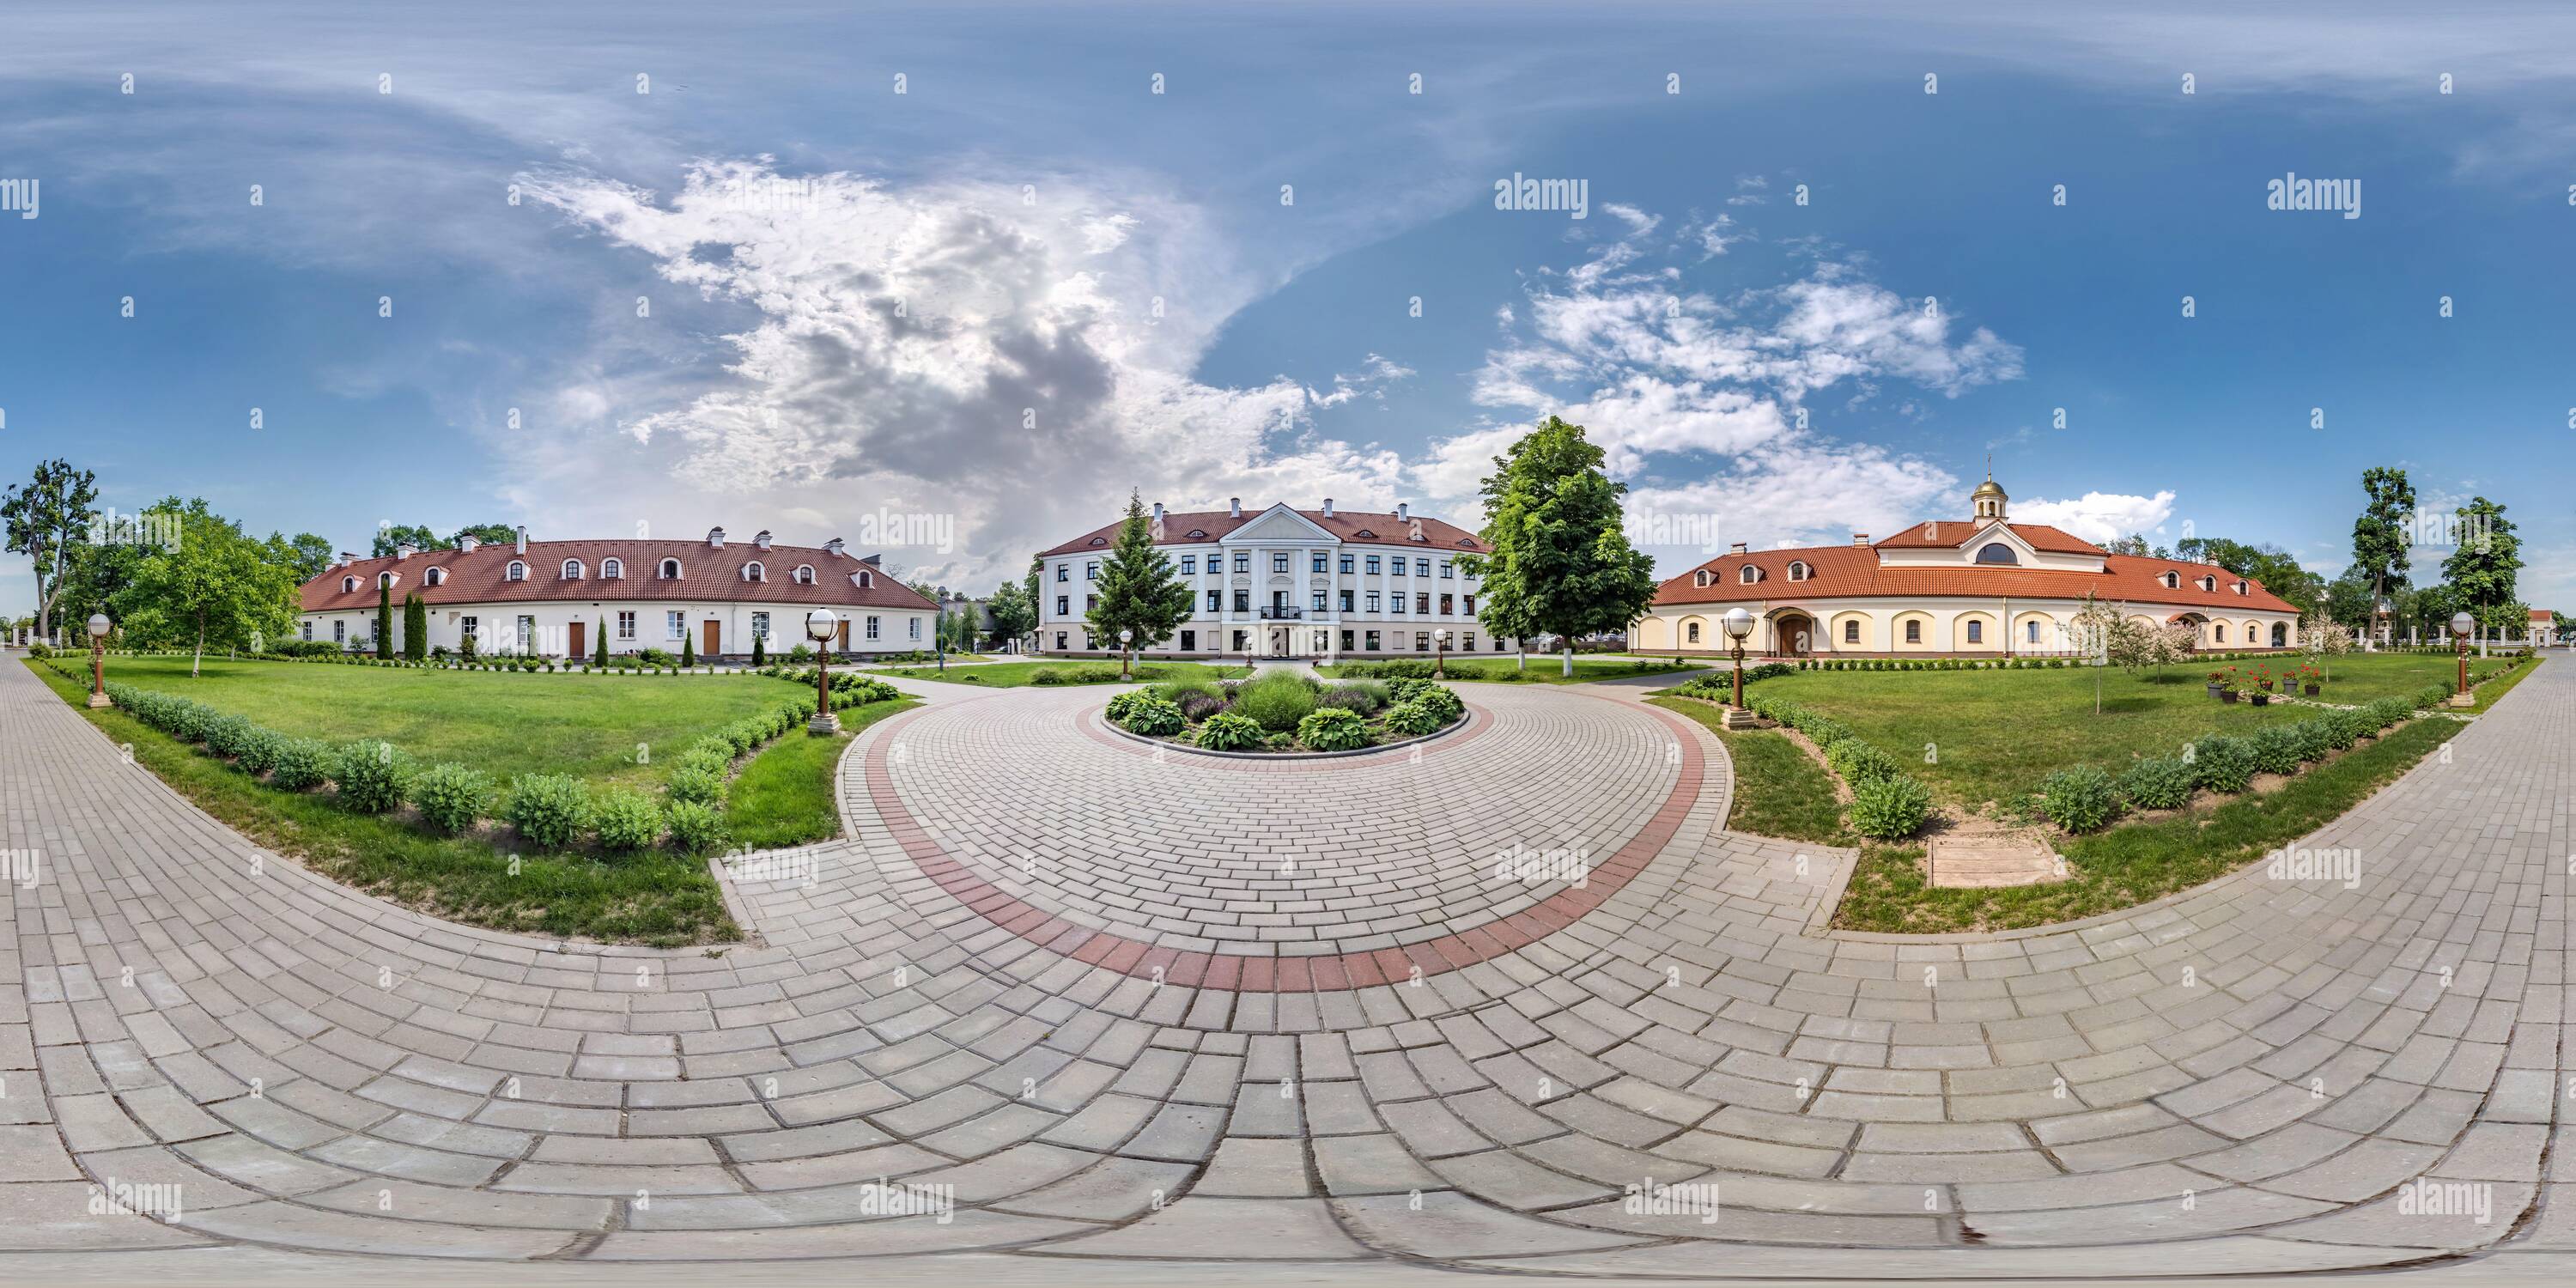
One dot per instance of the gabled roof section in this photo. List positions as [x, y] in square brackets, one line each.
[1954, 533]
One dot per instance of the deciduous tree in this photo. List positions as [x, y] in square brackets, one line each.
[2380, 537]
[45, 519]
[1558, 560]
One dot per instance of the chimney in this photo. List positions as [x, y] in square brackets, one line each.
[523, 539]
[347, 559]
[467, 541]
[833, 546]
[761, 538]
[1860, 538]
[1158, 512]
[1234, 507]
[1328, 507]
[1403, 511]
[715, 538]
[405, 550]
[1931, 532]
[1736, 549]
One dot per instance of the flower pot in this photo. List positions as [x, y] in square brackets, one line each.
[2228, 696]
[2312, 690]
[2262, 699]
[2217, 692]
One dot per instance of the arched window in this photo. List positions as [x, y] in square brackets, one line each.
[754, 572]
[1694, 632]
[1748, 575]
[2280, 635]
[1799, 571]
[612, 569]
[1701, 578]
[804, 575]
[1996, 552]
[2240, 585]
[572, 570]
[385, 579]
[670, 570]
[348, 585]
[434, 577]
[2171, 579]
[518, 571]
[867, 579]
[2209, 583]
[2221, 632]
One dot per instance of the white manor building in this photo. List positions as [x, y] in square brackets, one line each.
[1286, 583]
[1985, 587]
[554, 598]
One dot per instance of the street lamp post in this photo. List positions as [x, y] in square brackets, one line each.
[1440, 653]
[99, 660]
[1739, 624]
[1126, 656]
[2461, 624]
[820, 625]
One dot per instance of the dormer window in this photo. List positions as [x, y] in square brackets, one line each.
[670, 570]
[863, 579]
[572, 570]
[804, 574]
[2240, 585]
[2209, 583]
[2171, 579]
[754, 572]
[434, 577]
[1748, 574]
[1198, 534]
[518, 571]
[1799, 571]
[612, 569]
[1996, 552]
[348, 585]
[386, 579]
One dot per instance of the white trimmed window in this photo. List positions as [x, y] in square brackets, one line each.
[760, 626]
[612, 569]
[339, 631]
[626, 625]
[572, 570]
[670, 570]
[804, 574]
[1748, 574]
[386, 579]
[348, 585]
[754, 572]
[1799, 571]
[677, 622]
[434, 577]
[518, 571]
[872, 623]
[916, 628]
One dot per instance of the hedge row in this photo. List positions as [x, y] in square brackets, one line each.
[2086, 798]
[1887, 803]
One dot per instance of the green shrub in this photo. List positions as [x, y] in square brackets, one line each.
[2351, 727]
[2223, 764]
[1331, 729]
[1124, 703]
[186, 720]
[370, 776]
[2315, 738]
[1395, 669]
[2276, 749]
[301, 765]
[2079, 798]
[696, 826]
[1824, 731]
[1277, 701]
[1154, 717]
[625, 819]
[1412, 719]
[1858, 762]
[226, 735]
[549, 809]
[450, 796]
[1364, 697]
[260, 751]
[1442, 701]
[696, 783]
[1891, 808]
[1229, 731]
[1046, 675]
[2159, 782]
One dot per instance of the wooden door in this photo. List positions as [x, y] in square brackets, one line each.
[579, 630]
[714, 634]
[845, 635]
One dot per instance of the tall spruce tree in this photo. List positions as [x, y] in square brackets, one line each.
[1558, 560]
[599, 655]
[1138, 592]
[384, 618]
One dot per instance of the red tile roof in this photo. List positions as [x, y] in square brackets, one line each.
[706, 574]
[1354, 528]
[1940, 533]
[1849, 571]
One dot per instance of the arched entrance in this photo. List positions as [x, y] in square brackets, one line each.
[1793, 634]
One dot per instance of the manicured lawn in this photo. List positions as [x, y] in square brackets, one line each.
[1542, 670]
[1980, 737]
[653, 898]
[785, 795]
[1012, 675]
[1779, 790]
[600, 728]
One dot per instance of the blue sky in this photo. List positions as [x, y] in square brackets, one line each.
[1028, 283]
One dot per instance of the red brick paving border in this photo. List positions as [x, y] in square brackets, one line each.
[1237, 972]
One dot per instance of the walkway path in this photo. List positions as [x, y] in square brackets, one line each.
[1119, 1003]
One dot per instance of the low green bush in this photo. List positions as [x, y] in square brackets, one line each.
[260, 751]
[1276, 701]
[549, 809]
[696, 826]
[1126, 702]
[2158, 782]
[2079, 798]
[450, 796]
[1046, 675]
[1153, 717]
[1229, 731]
[1858, 762]
[625, 820]
[2223, 764]
[696, 783]
[1412, 719]
[370, 775]
[226, 735]
[1331, 729]
[2276, 749]
[301, 765]
[1890, 808]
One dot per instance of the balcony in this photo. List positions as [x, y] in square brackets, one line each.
[1281, 613]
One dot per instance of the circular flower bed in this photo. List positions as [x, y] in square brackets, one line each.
[1287, 713]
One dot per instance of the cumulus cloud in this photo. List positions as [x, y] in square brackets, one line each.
[2099, 517]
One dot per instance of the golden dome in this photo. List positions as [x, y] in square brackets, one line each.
[1987, 488]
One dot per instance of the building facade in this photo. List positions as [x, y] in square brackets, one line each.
[1286, 583]
[1983, 587]
[557, 598]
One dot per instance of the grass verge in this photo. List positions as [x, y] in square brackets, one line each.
[1779, 790]
[785, 795]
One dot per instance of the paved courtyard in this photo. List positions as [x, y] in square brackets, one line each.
[1064, 1004]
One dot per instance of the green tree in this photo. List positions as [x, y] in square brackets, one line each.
[2133, 544]
[416, 535]
[2348, 599]
[688, 650]
[307, 554]
[216, 587]
[2278, 570]
[1559, 562]
[490, 534]
[1014, 609]
[2483, 565]
[45, 520]
[384, 618]
[1138, 592]
[599, 652]
[759, 649]
[2379, 537]
[415, 627]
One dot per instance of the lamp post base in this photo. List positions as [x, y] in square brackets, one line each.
[97, 700]
[1739, 718]
[824, 722]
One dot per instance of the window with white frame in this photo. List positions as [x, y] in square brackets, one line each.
[754, 572]
[339, 631]
[1319, 562]
[517, 571]
[470, 626]
[760, 626]
[612, 569]
[1189, 565]
[804, 575]
[308, 630]
[1278, 561]
[670, 570]
[626, 624]
[1243, 561]
[916, 627]
[385, 579]
[1373, 562]
[434, 577]
[572, 570]
[1373, 597]
[527, 633]
[349, 585]
[676, 623]
[872, 623]
[1421, 567]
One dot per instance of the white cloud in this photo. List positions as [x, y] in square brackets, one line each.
[2099, 517]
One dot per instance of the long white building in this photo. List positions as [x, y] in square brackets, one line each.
[556, 598]
[1283, 582]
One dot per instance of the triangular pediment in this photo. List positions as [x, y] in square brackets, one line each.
[1279, 523]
